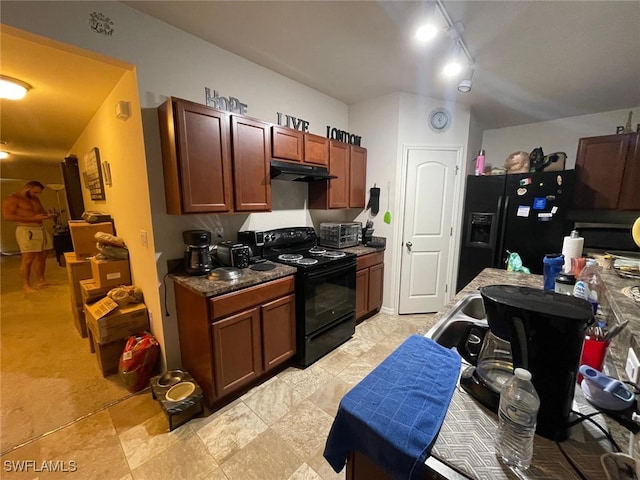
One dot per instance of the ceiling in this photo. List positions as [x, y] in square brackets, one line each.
[534, 61]
[67, 89]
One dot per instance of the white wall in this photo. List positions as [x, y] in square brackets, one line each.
[554, 136]
[389, 124]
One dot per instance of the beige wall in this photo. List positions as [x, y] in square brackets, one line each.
[120, 143]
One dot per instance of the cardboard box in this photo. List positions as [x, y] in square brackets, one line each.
[91, 292]
[108, 355]
[79, 320]
[77, 270]
[108, 322]
[110, 273]
[83, 236]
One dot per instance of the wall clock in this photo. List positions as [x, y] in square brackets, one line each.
[440, 120]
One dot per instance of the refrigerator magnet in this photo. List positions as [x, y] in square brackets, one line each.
[525, 181]
[554, 210]
[523, 211]
[539, 203]
[522, 191]
[545, 216]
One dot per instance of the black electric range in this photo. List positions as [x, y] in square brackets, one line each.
[325, 290]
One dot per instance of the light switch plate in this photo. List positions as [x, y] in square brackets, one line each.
[632, 367]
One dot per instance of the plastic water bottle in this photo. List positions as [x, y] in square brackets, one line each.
[517, 416]
[589, 285]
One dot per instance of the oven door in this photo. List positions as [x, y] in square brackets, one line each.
[329, 294]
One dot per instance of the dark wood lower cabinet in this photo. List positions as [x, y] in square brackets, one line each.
[236, 351]
[232, 341]
[369, 284]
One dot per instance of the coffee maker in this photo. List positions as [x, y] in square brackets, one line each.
[534, 329]
[197, 259]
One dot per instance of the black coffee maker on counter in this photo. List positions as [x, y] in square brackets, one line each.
[197, 258]
[534, 329]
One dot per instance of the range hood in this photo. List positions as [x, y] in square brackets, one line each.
[297, 172]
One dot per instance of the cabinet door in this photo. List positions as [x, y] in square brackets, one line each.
[195, 157]
[287, 143]
[357, 176]
[251, 141]
[339, 166]
[599, 171]
[236, 351]
[376, 280]
[278, 331]
[362, 292]
[630, 192]
[316, 149]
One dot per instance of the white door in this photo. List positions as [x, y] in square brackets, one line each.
[427, 228]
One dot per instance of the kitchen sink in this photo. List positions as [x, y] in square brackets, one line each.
[458, 322]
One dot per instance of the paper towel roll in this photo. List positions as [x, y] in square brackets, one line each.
[571, 248]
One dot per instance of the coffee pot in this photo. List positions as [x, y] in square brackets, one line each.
[534, 329]
[197, 258]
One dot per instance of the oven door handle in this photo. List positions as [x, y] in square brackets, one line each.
[329, 271]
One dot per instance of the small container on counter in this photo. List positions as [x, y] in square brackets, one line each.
[564, 283]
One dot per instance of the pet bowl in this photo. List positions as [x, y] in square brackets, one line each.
[180, 391]
[170, 378]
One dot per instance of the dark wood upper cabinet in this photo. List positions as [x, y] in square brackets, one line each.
[608, 172]
[251, 147]
[316, 149]
[349, 164]
[357, 176]
[195, 157]
[287, 143]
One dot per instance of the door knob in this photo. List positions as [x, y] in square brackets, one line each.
[409, 245]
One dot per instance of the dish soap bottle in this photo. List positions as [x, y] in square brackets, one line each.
[589, 285]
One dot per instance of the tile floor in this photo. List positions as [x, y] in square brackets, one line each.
[276, 431]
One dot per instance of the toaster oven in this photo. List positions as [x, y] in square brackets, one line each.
[233, 254]
[340, 235]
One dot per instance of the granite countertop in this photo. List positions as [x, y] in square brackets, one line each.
[204, 286]
[360, 250]
[466, 439]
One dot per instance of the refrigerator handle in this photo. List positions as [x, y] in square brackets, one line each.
[503, 205]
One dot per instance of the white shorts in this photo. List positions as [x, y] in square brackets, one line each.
[33, 239]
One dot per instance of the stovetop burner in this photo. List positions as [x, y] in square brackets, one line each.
[334, 254]
[290, 257]
[307, 261]
[317, 251]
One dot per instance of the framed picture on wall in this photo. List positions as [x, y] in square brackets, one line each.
[94, 174]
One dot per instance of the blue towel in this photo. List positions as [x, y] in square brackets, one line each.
[394, 414]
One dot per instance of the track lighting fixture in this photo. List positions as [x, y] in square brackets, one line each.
[456, 62]
[466, 84]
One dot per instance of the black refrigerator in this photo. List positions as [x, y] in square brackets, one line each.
[524, 213]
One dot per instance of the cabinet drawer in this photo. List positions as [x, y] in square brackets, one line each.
[248, 297]
[368, 260]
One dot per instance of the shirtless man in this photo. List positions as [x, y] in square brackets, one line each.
[24, 207]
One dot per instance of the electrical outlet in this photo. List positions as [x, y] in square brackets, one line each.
[632, 367]
[219, 233]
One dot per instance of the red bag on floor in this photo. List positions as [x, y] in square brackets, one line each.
[137, 361]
